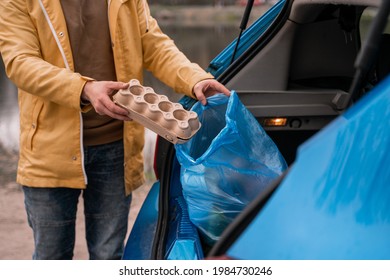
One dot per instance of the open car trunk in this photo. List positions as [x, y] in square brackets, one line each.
[295, 72]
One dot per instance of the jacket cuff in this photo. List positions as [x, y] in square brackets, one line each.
[85, 105]
[189, 78]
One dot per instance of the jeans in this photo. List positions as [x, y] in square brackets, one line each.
[51, 212]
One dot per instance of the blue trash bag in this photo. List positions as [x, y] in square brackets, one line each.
[226, 164]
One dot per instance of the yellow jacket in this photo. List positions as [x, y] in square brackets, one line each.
[36, 50]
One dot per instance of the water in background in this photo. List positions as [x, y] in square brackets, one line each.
[200, 44]
[9, 114]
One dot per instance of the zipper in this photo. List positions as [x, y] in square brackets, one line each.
[54, 34]
[146, 17]
[67, 67]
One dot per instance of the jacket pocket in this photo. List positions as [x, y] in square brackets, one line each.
[34, 124]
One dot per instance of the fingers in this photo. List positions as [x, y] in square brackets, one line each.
[117, 85]
[99, 94]
[201, 98]
[105, 106]
[200, 90]
[206, 88]
[222, 89]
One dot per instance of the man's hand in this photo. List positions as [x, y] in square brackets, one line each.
[209, 87]
[99, 93]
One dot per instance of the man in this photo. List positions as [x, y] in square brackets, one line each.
[67, 58]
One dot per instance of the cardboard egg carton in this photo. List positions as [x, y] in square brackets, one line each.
[154, 111]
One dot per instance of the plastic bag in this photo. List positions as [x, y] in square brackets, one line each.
[226, 164]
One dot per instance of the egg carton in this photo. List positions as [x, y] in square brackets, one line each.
[154, 111]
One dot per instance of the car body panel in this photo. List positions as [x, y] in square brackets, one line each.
[140, 241]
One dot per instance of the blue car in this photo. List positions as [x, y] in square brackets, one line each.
[315, 75]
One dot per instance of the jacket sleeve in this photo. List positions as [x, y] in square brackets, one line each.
[164, 59]
[25, 66]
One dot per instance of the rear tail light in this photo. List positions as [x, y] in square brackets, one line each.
[275, 122]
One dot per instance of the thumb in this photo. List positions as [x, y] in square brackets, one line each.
[118, 85]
